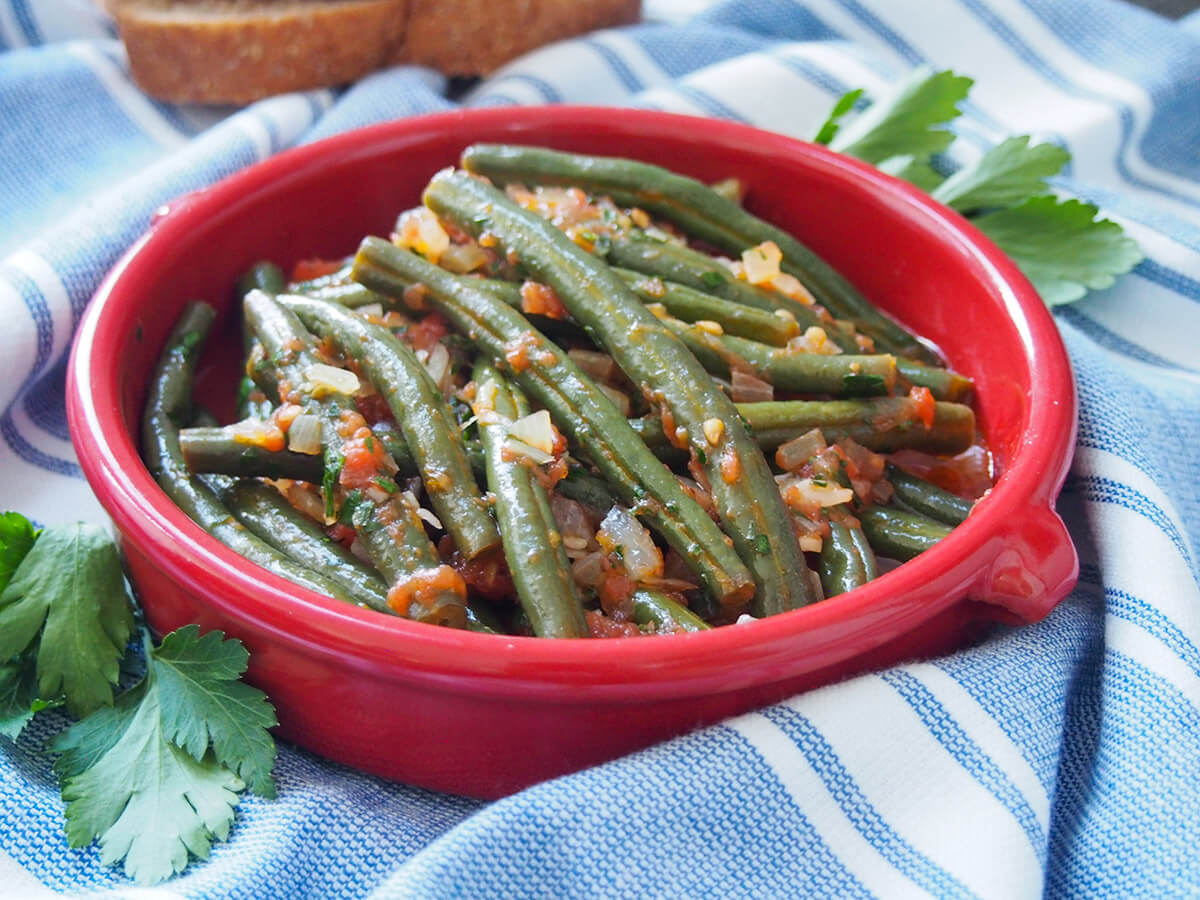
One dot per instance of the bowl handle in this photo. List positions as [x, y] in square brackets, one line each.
[1035, 568]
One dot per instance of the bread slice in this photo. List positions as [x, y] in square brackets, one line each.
[237, 51]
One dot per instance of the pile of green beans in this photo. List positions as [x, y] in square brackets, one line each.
[403, 495]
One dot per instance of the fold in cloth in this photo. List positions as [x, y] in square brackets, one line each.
[1059, 758]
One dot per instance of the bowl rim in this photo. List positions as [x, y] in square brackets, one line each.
[109, 456]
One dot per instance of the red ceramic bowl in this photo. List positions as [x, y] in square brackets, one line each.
[485, 715]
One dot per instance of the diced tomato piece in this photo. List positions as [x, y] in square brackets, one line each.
[923, 398]
[601, 626]
[428, 332]
[308, 269]
[363, 459]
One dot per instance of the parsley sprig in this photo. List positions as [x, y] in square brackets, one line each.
[153, 773]
[1059, 243]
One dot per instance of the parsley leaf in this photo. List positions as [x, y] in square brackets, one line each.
[16, 539]
[147, 800]
[156, 776]
[1008, 174]
[18, 696]
[203, 700]
[830, 126]
[1061, 246]
[70, 588]
[913, 170]
[902, 124]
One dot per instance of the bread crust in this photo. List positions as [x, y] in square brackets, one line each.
[238, 51]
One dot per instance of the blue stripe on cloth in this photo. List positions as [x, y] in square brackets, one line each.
[974, 760]
[549, 93]
[701, 807]
[48, 87]
[678, 51]
[816, 75]
[25, 19]
[858, 809]
[45, 402]
[779, 20]
[1051, 73]
[1158, 56]
[1111, 340]
[1099, 489]
[1172, 279]
[613, 60]
[39, 311]
[31, 454]
[1145, 615]
[707, 103]
[1121, 825]
[888, 35]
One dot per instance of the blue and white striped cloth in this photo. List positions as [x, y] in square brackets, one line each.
[1062, 758]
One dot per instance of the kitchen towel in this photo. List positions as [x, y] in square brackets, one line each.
[1061, 758]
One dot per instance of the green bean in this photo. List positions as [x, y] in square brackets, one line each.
[218, 450]
[169, 403]
[339, 276]
[699, 271]
[389, 528]
[351, 296]
[743, 490]
[882, 424]
[665, 612]
[790, 370]
[264, 276]
[586, 415]
[899, 534]
[928, 499]
[268, 515]
[533, 547]
[942, 383]
[701, 213]
[690, 305]
[481, 619]
[425, 419]
[840, 566]
[590, 490]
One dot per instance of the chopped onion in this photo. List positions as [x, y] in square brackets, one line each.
[360, 552]
[761, 263]
[796, 452]
[426, 516]
[621, 531]
[598, 365]
[376, 494]
[463, 258]
[744, 619]
[304, 435]
[485, 397]
[805, 494]
[256, 433]
[419, 229]
[619, 398]
[520, 448]
[535, 430]
[371, 311]
[306, 499]
[747, 388]
[438, 364]
[331, 378]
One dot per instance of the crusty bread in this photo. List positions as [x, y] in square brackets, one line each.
[237, 51]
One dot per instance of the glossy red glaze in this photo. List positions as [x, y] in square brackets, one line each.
[485, 715]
